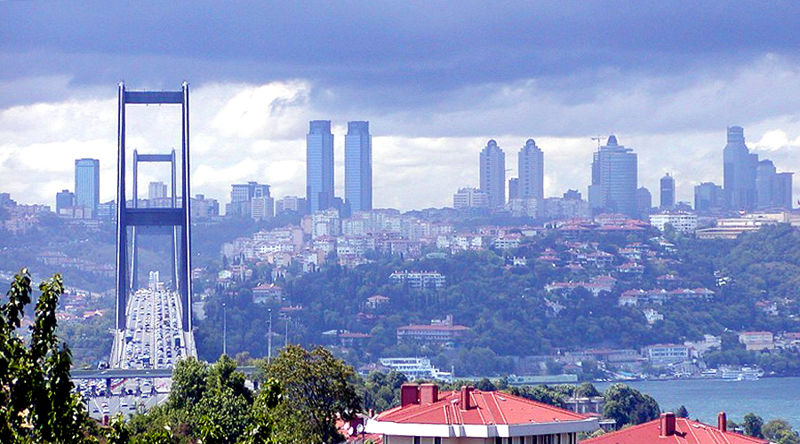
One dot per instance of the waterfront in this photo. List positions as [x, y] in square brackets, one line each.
[769, 398]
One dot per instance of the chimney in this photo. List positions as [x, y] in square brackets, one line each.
[465, 398]
[667, 424]
[722, 422]
[409, 394]
[428, 393]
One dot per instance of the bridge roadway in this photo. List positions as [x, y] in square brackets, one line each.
[154, 337]
[144, 373]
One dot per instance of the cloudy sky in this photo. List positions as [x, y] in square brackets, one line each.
[436, 80]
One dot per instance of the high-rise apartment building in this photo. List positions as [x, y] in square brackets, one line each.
[470, 198]
[156, 190]
[358, 166]
[644, 202]
[493, 174]
[87, 184]
[667, 192]
[614, 179]
[739, 172]
[513, 188]
[319, 165]
[531, 171]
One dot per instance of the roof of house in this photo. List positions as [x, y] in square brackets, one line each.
[488, 408]
[687, 431]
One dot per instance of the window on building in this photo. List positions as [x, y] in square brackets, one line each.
[417, 440]
[437, 440]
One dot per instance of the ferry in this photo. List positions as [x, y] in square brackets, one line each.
[741, 374]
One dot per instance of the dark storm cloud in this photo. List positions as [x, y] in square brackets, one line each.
[399, 53]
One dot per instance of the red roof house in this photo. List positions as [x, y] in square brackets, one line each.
[449, 417]
[669, 429]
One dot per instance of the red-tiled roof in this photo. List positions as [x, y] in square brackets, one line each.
[687, 431]
[487, 408]
[434, 327]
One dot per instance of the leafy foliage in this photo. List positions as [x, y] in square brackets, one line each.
[36, 399]
[316, 388]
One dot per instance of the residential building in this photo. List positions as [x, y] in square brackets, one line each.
[439, 332]
[419, 279]
[493, 174]
[531, 171]
[667, 192]
[156, 190]
[325, 223]
[614, 179]
[708, 196]
[358, 167]
[290, 203]
[470, 198]
[644, 202]
[671, 429]
[757, 340]
[203, 208]
[319, 166]
[662, 354]
[565, 208]
[681, 221]
[731, 228]
[739, 171]
[87, 184]
[475, 416]
[513, 188]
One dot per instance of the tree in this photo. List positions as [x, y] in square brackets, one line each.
[629, 406]
[681, 412]
[36, 399]
[752, 424]
[780, 432]
[316, 389]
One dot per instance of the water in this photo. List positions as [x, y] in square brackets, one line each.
[770, 398]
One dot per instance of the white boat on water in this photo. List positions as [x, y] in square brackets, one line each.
[741, 374]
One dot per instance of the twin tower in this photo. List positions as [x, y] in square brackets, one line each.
[357, 166]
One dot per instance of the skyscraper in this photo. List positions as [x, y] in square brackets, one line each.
[531, 171]
[319, 165]
[739, 171]
[765, 182]
[707, 196]
[64, 200]
[358, 166]
[87, 184]
[614, 179]
[667, 192]
[782, 191]
[493, 174]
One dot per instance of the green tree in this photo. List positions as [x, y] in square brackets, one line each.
[752, 424]
[779, 431]
[629, 406]
[316, 389]
[682, 412]
[36, 399]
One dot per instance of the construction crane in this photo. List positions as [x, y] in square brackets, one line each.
[598, 139]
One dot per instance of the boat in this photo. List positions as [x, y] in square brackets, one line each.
[741, 374]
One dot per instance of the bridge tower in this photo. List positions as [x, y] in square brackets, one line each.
[178, 216]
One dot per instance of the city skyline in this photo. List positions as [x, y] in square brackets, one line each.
[256, 87]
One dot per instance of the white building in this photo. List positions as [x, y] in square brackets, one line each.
[681, 221]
